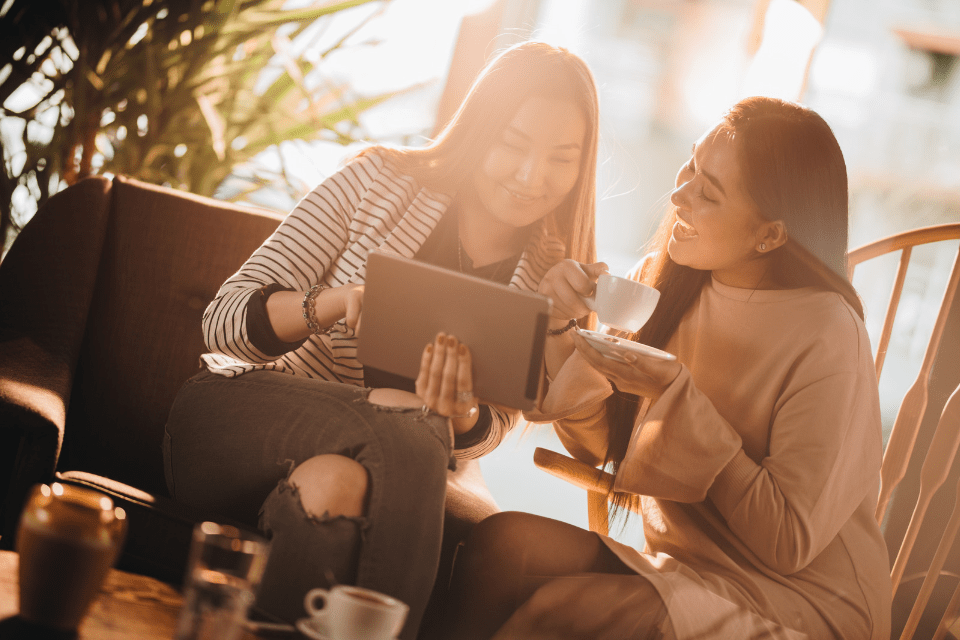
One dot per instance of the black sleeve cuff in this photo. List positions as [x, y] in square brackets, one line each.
[478, 433]
[259, 330]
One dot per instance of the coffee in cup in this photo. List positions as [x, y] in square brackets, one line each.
[622, 303]
[355, 613]
[67, 539]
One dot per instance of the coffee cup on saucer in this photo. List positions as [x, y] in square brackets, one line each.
[622, 303]
[352, 613]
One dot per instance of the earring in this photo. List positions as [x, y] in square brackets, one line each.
[763, 246]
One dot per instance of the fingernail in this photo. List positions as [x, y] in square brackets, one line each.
[451, 341]
[429, 348]
[440, 338]
[462, 349]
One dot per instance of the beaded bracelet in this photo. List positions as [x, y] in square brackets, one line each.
[564, 329]
[309, 312]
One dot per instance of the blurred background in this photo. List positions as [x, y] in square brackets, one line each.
[258, 101]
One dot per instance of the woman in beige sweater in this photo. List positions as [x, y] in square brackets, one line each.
[755, 455]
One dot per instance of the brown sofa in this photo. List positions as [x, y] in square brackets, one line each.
[101, 297]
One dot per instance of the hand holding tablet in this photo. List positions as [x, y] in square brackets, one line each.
[407, 303]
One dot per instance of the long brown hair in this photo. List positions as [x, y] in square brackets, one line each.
[793, 169]
[522, 71]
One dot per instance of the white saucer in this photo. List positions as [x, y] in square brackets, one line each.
[314, 628]
[616, 348]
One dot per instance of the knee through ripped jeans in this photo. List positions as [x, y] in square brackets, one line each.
[231, 443]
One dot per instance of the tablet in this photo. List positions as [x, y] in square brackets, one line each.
[407, 303]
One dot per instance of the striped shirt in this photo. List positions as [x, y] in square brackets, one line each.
[366, 206]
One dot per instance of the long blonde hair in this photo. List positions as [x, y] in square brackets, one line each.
[522, 71]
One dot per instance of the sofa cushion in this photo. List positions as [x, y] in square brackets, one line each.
[165, 256]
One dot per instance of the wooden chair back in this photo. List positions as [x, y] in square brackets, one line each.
[903, 436]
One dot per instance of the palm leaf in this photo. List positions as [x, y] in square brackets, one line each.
[193, 76]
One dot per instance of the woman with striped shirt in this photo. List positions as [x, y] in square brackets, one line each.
[346, 465]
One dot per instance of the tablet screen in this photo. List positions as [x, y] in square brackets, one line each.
[407, 303]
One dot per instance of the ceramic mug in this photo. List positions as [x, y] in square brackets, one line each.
[68, 538]
[622, 303]
[355, 613]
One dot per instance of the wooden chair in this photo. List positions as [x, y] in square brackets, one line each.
[897, 454]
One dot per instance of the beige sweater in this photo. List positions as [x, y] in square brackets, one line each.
[759, 467]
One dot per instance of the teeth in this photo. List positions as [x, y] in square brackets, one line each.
[685, 229]
[520, 197]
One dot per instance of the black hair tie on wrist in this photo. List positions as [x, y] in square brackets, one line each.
[563, 329]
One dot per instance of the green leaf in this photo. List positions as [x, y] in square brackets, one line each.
[223, 68]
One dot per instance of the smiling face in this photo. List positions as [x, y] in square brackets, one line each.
[718, 227]
[533, 164]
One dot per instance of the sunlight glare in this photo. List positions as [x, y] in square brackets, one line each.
[845, 68]
[139, 34]
[416, 39]
[779, 68]
[23, 204]
[28, 95]
[43, 45]
[710, 68]
[415, 42]
[563, 23]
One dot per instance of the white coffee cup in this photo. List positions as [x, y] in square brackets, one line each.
[355, 613]
[622, 303]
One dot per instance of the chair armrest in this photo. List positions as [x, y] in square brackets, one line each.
[577, 473]
[597, 483]
[30, 438]
[47, 281]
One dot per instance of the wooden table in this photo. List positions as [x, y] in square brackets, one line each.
[129, 607]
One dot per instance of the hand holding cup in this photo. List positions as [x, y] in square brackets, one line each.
[622, 303]
[568, 283]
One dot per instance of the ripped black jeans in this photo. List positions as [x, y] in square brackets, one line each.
[231, 443]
